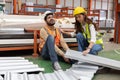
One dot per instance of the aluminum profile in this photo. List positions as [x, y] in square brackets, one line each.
[93, 59]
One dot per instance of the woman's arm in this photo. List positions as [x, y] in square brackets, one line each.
[71, 34]
[92, 40]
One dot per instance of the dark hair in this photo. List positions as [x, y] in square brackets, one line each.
[45, 18]
[79, 27]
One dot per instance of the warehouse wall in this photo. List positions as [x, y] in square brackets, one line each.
[96, 4]
[70, 3]
[104, 5]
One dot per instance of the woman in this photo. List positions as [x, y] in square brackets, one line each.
[89, 40]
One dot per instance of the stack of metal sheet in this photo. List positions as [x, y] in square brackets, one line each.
[18, 68]
[10, 65]
[13, 37]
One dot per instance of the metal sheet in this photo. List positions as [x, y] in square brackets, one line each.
[63, 75]
[12, 61]
[6, 68]
[93, 59]
[16, 64]
[42, 76]
[85, 65]
[25, 76]
[12, 58]
[33, 77]
[48, 76]
[58, 76]
[82, 73]
[1, 78]
[27, 70]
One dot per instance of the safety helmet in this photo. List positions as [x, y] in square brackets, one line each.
[46, 14]
[79, 10]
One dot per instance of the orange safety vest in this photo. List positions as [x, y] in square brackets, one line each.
[57, 36]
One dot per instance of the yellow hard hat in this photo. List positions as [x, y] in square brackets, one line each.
[79, 10]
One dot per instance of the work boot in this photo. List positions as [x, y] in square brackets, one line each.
[56, 66]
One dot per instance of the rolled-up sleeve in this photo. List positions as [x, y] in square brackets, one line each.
[93, 33]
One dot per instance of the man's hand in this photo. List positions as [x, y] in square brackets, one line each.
[85, 52]
[66, 59]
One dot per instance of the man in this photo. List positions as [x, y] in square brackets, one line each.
[50, 39]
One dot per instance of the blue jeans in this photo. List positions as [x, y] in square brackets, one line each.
[48, 51]
[83, 44]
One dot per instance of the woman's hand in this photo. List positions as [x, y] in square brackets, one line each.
[62, 31]
[85, 52]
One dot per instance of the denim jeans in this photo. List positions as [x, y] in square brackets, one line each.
[83, 44]
[48, 51]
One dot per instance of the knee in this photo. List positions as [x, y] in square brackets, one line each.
[97, 48]
[79, 35]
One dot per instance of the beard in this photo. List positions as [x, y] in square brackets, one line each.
[51, 22]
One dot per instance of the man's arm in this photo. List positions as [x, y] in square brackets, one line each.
[63, 43]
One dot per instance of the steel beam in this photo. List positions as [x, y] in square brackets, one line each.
[93, 59]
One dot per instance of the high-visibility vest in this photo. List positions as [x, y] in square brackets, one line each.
[87, 35]
[56, 36]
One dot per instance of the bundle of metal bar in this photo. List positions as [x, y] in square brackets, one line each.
[93, 59]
